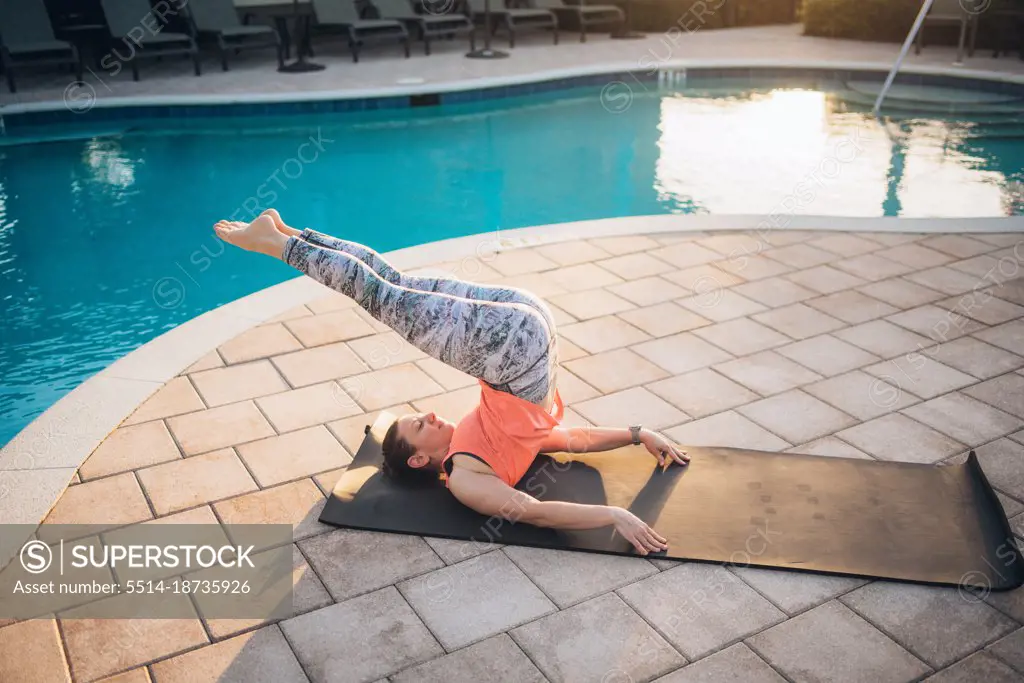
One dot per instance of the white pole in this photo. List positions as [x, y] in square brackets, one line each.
[903, 53]
[965, 20]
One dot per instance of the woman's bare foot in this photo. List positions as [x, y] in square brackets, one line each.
[286, 230]
[280, 225]
[261, 236]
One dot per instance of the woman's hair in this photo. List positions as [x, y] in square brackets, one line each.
[397, 452]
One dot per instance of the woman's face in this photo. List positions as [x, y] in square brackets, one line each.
[426, 432]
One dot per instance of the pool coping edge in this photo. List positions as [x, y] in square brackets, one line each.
[482, 83]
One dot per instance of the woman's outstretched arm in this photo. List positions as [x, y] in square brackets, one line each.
[489, 495]
[590, 439]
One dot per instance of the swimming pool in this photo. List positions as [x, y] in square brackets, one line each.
[105, 239]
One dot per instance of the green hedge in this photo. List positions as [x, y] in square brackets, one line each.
[700, 15]
[885, 20]
[762, 12]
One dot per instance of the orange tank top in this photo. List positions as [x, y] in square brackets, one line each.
[505, 431]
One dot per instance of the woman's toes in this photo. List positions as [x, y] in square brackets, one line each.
[231, 225]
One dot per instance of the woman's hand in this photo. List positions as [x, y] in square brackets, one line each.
[635, 530]
[662, 449]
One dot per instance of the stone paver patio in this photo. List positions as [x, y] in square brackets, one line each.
[866, 345]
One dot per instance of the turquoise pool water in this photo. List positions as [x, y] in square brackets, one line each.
[105, 240]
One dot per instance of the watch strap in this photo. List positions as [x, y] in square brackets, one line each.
[635, 432]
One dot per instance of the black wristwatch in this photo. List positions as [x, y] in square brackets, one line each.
[635, 431]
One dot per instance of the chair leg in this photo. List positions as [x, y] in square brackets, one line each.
[195, 62]
[10, 80]
[472, 39]
[355, 50]
[79, 65]
[223, 57]
[280, 56]
[405, 45]
[554, 31]
[426, 44]
[284, 37]
[135, 69]
[511, 33]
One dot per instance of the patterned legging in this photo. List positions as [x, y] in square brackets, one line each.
[502, 335]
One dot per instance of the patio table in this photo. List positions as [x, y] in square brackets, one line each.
[281, 11]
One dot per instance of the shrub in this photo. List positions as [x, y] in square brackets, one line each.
[884, 20]
[700, 15]
[753, 13]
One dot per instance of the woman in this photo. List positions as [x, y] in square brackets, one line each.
[505, 338]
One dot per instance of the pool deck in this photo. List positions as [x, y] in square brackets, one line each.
[772, 340]
[253, 74]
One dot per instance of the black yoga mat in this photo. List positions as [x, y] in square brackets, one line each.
[891, 520]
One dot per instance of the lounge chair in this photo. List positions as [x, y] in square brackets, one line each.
[127, 21]
[219, 18]
[343, 13]
[586, 15]
[27, 39]
[428, 25]
[950, 13]
[513, 18]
